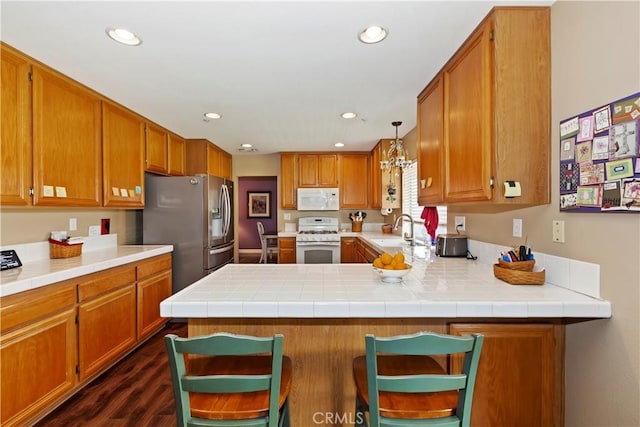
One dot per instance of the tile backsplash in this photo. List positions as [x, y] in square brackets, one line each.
[579, 276]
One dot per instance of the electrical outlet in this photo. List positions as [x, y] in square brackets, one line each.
[517, 227]
[558, 231]
[460, 223]
[73, 224]
[94, 230]
[287, 216]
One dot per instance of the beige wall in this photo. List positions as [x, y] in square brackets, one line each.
[595, 60]
[34, 225]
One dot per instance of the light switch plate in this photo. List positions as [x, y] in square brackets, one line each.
[73, 224]
[517, 227]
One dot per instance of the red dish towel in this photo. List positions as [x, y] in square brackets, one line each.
[430, 216]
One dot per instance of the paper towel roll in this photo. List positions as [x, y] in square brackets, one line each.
[386, 211]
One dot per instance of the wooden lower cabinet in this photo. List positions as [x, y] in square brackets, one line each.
[38, 366]
[348, 250]
[287, 250]
[365, 254]
[57, 338]
[106, 329]
[521, 367]
[150, 293]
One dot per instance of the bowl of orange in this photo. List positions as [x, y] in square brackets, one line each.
[391, 268]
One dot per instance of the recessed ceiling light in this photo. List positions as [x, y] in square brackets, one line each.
[212, 115]
[348, 115]
[124, 36]
[338, 144]
[246, 145]
[373, 34]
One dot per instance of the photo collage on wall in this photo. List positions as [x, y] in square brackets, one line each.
[599, 160]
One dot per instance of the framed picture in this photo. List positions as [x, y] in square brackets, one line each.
[259, 204]
[602, 119]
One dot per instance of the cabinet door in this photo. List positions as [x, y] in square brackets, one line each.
[67, 143]
[354, 174]
[375, 181]
[468, 120]
[288, 180]
[307, 170]
[287, 250]
[226, 162]
[348, 250]
[15, 138]
[38, 366]
[176, 155]
[123, 157]
[327, 170]
[106, 329]
[151, 292]
[213, 160]
[521, 367]
[430, 144]
[156, 149]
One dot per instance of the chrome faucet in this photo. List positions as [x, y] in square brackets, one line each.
[409, 239]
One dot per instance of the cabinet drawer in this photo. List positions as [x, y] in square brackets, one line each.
[104, 281]
[154, 265]
[29, 306]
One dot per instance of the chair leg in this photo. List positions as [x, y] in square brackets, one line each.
[361, 419]
[284, 415]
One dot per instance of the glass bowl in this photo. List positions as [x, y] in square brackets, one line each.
[391, 276]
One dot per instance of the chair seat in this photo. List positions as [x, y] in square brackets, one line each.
[406, 405]
[236, 405]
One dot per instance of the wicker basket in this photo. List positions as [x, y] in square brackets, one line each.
[517, 265]
[63, 250]
[518, 277]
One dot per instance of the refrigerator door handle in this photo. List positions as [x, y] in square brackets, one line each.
[226, 209]
[221, 250]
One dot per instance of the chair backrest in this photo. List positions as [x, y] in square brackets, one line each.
[260, 229]
[224, 344]
[427, 344]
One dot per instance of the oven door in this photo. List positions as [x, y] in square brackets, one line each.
[317, 252]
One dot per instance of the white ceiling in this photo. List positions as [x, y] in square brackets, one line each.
[280, 73]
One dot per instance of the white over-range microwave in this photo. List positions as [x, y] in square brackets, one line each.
[318, 199]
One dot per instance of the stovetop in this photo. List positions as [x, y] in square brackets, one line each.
[318, 231]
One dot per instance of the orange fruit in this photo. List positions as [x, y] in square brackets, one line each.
[378, 263]
[399, 257]
[386, 258]
[402, 266]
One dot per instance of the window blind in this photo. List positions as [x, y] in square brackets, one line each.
[410, 205]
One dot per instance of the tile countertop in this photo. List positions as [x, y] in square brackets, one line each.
[38, 272]
[434, 288]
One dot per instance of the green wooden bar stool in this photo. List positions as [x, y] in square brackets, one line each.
[399, 384]
[226, 380]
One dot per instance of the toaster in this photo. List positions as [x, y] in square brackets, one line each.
[451, 245]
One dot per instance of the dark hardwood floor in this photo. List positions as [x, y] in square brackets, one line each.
[135, 392]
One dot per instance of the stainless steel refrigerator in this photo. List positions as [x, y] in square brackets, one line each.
[195, 215]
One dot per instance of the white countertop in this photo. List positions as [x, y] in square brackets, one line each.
[435, 288]
[41, 272]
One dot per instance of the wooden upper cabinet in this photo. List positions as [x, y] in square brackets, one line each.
[354, 181]
[205, 157]
[495, 115]
[226, 165]
[123, 157]
[156, 149]
[176, 151]
[15, 142]
[317, 170]
[430, 140]
[288, 180]
[469, 132]
[67, 147]
[375, 180]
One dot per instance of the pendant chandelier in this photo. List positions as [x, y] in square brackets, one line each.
[394, 159]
